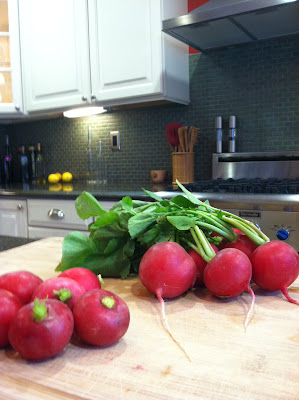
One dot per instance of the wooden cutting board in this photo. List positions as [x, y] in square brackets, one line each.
[227, 363]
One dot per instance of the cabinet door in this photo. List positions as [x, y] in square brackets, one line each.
[11, 101]
[55, 53]
[125, 48]
[13, 218]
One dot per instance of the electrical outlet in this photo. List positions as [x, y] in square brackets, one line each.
[115, 140]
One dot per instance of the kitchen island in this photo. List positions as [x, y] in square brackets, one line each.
[227, 362]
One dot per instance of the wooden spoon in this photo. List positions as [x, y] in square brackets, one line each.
[181, 134]
[193, 138]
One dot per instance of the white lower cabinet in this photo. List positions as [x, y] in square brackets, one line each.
[13, 217]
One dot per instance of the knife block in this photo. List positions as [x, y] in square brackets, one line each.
[182, 167]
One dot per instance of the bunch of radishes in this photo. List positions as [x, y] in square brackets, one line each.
[38, 318]
[168, 270]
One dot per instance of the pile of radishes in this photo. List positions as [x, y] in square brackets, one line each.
[38, 318]
[168, 270]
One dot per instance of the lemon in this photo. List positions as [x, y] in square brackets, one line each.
[55, 187]
[59, 176]
[67, 177]
[53, 178]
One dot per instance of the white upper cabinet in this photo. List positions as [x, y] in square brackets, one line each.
[109, 52]
[11, 102]
[55, 53]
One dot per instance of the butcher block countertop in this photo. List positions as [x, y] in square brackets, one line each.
[226, 362]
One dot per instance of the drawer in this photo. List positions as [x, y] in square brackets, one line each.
[59, 214]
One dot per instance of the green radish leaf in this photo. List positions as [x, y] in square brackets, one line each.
[182, 201]
[219, 214]
[149, 235]
[182, 223]
[127, 203]
[139, 223]
[166, 236]
[152, 195]
[110, 232]
[106, 219]
[111, 246]
[87, 206]
[75, 248]
[189, 195]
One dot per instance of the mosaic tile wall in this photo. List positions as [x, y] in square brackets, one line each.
[258, 83]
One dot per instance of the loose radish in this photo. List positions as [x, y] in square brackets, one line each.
[200, 264]
[167, 270]
[101, 317]
[85, 277]
[20, 283]
[64, 289]
[242, 243]
[9, 305]
[41, 330]
[228, 275]
[275, 266]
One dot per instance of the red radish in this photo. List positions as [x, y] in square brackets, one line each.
[9, 305]
[200, 264]
[228, 275]
[101, 317]
[41, 330]
[275, 266]
[242, 243]
[167, 270]
[63, 289]
[20, 283]
[85, 277]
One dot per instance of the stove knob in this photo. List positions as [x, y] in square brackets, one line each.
[282, 234]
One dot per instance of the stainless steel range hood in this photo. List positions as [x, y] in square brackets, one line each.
[223, 23]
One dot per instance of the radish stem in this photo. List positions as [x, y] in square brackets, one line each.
[39, 310]
[159, 296]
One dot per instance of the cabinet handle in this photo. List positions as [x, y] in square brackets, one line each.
[84, 98]
[56, 213]
[19, 206]
[93, 97]
[17, 107]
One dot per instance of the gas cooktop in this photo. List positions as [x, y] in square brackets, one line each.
[263, 186]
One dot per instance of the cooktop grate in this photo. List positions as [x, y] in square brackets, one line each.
[267, 186]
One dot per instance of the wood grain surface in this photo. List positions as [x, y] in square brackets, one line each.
[227, 362]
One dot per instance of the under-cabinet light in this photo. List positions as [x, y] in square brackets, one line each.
[83, 112]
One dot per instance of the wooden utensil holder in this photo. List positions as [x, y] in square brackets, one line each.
[182, 167]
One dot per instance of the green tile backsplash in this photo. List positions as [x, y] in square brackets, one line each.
[258, 83]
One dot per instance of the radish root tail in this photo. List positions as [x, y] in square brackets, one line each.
[168, 327]
[250, 312]
[286, 294]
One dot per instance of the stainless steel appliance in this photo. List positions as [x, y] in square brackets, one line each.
[221, 23]
[260, 187]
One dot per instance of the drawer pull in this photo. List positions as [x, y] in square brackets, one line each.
[56, 213]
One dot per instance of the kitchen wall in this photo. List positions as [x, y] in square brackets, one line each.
[258, 83]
